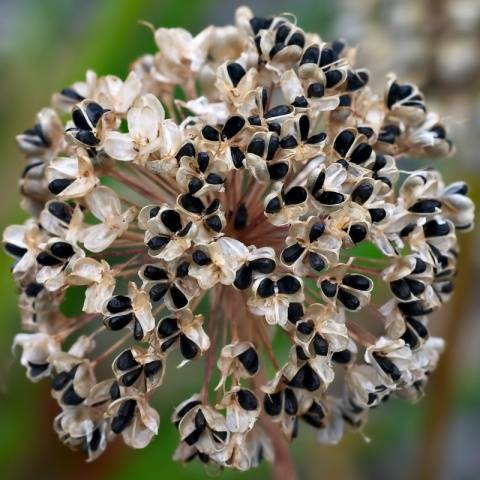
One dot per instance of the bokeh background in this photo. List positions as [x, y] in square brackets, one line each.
[45, 45]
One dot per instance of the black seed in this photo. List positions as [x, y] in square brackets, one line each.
[361, 153]
[219, 436]
[254, 120]
[292, 253]
[418, 326]
[126, 361]
[306, 378]
[316, 261]
[327, 57]
[191, 204]
[345, 101]
[300, 102]
[350, 301]
[131, 377]
[362, 193]
[367, 131]
[316, 231]
[201, 258]
[241, 217]
[310, 55]
[214, 223]
[167, 327]
[256, 146]
[295, 312]
[94, 112]
[358, 282]
[87, 137]
[357, 233]
[154, 273]
[236, 72]
[72, 94]
[187, 150]
[46, 260]
[413, 309]
[317, 138]
[272, 403]
[193, 437]
[61, 380]
[387, 366]
[380, 162]
[124, 417]
[273, 145]
[137, 330]
[295, 196]
[304, 127]
[260, 23]
[266, 288]
[232, 127]
[416, 287]
[33, 289]
[288, 285]
[172, 220]
[400, 289]
[61, 210]
[158, 291]
[95, 440]
[153, 212]
[118, 322]
[306, 328]
[410, 338]
[278, 111]
[316, 90]
[119, 303]
[282, 34]
[249, 359]
[407, 230]
[377, 214]
[203, 160]
[330, 198]
[314, 416]
[178, 297]
[328, 288]
[79, 119]
[356, 80]
[210, 133]
[273, 206]
[59, 185]
[152, 368]
[420, 266]
[275, 127]
[247, 400]
[213, 207]
[62, 250]
[343, 142]
[434, 228]
[15, 250]
[342, 357]
[182, 270]
[158, 242]
[188, 348]
[214, 179]
[186, 408]
[425, 206]
[70, 397]
[243, 277]
[288, 142]
[114, 391]
[297, 39]
[320, 345]
[332, 78]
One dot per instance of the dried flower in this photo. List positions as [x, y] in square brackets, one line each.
[259, 191]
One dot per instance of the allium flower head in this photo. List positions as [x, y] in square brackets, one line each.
[260, 194]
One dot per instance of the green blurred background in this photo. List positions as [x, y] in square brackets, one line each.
[45, 45]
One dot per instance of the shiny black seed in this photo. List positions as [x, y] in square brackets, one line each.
[410, 338]
[172, 220]
[158, 291]
[295, 312]
[306, 328]
[114, 391]
[120, 321]
[288, 142]
[126, 361]
[193, 437]
[119, 303]
[295, 196]
[249, 359]
[278, 111]
[254, 120]
[328, 288]
[357, 233]
[33, 289]
[418, 326]
[236, 72]
[273, 206]
[15, 250]
[46, 260]
[191, 204]
[320, 345]
[241, 217]
[237, 157]
[260, 23]
[314, 416]
[304, 127]
[70, 397]
[350, 301]
[425, 206]
[306, 378]
[273, 145]
[316, 231]
[316, 261]
[60, 381]
[380, 162]
[72, 94]
[95, 440]
[272, 403]
[433, 228]
[316, 90]
[213, 207]
[416, 287]
[332, 78]
[407, 230]
[413, 309]
[420, 266]
[310, 55]
[167, 327]
[387, 366]
[398, 92]
[219, 436]
[210, 133]
[317, 138]
[275, 127]
[367, 131]
[330, 198]
[167, 344]
[178, 298]
[343, 142]
[62, 250]
[297, 39]
[187, 150]
[153, 212]
[256, 146]
[362, 193]
[342, 357]
[214, 223]
[300, 102]
[124, 417]
[131, 377]
[59, 185]
[288, 285]
[263, 265]
[87, 137]
[361, 153]
[187, 407]
[292, 253]
[182, 270]
[158, 242]
[201, 258]
[137, 330]
[61, 210]
[377, 214]
[214, 179]
[400, 289]
[356, 80]
[358, 282]
[282, 34]
[203, 160]
[247, 400]
[327, 57]
[266, 288]
[79, 119]
[301, 355]
[345, 101]
[232, 127]
[243, 277]
[275, 49]
[94, 112]
[338, 46]
[154, 273]
[152, 368]
[188, 348]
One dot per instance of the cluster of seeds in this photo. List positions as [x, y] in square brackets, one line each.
[273, 191]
